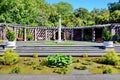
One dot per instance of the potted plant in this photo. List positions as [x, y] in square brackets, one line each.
[20, 35]
[10, 35]
[29, 37]
[107, 38]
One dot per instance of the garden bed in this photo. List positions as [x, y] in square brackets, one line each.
[31, 65]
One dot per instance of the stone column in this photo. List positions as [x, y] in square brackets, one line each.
[14, 29]
[72, 34]
[4, 33]
[54, 35]
[25, 34]
[82, 34]
[93, 34]
[35, 34]
[64, 35]
[113, 31]
[46, 38]
[59, 28]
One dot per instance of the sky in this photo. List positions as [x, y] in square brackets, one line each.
[88, 4]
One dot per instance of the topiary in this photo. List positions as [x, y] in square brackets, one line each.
[10, 57]
[110, 57]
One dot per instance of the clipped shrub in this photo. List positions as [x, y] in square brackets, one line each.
[110, 57]
[107, 70]
[59, 60]
[10, 57]
[29, 37]
[85, 55]
[35, 55]
[15, 70]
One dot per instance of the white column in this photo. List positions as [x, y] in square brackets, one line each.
[59, 28]
[93, 34]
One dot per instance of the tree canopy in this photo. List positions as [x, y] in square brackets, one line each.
[40, 13]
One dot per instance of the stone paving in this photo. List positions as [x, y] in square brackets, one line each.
[60, 77]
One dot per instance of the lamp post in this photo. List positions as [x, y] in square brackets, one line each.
[59, 28]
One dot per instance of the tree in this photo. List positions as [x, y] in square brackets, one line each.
[63, 8]
[114, 6]
[20, 11]
[115, 16]
[102, 16]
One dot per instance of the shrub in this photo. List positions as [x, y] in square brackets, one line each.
[37, 67]
[59, 60]
[85, 55]
[87, 62]
[29, 37]
[88, 37]
[107, 70]
[111, 57]
[106, 36]
[35, 55]
[16, 70]
[10, 57]
[80, 67]
[61, 70]
[10, 35]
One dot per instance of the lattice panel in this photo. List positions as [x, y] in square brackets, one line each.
[32, 30]
[49, 34]
[40, 34]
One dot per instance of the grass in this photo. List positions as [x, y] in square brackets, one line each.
[59, 43]
[52, 42]
[30, 65]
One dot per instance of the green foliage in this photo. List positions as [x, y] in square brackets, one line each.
[107, 70]
[87, 62]
[114, 6]
[106, 35]
[63, 8]
[15, 70]
[88, 37]
[20, 34]
[115, 16]
[59, 60]
[37, 67]
[61, 70]
[29, 37]
[40, 13]
[110, 57]
[10, 35]
[80, 67]
[10, 57]
[117, 40]
[85, 55]
[35, 55]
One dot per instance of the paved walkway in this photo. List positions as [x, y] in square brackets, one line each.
[60, 77]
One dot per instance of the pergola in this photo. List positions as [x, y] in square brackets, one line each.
[67, 33]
